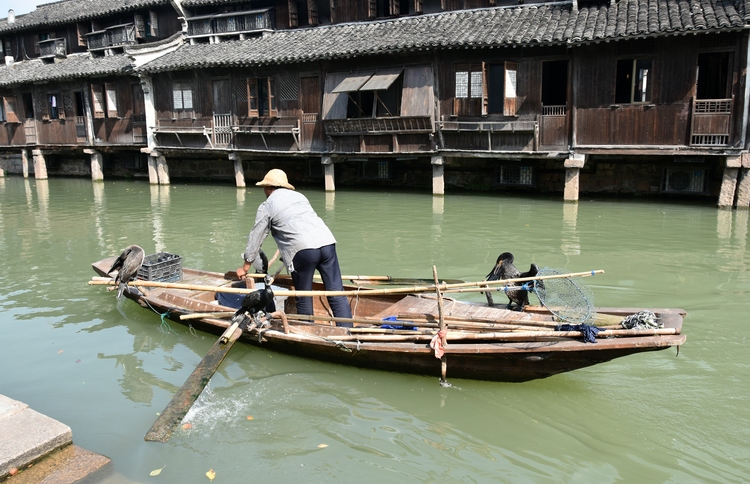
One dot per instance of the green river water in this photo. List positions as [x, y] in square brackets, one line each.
[105, 367]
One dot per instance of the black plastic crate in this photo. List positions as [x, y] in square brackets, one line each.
[161, 267]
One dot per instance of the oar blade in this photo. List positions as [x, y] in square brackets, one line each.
[176, 410]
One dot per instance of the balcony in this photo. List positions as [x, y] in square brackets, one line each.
[711, 122]
[232, 23]
[111, 37]
[52, 48]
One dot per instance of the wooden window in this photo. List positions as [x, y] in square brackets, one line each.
[372, 8]
[54, 106]
[97, 101]
[511, 94]
[140, 26]
[469, 89]
[293, 14]
[182, 100]
[333, 11]
[81, 34]
[394, 7]
[111, 98]
[714, 75]
[9, 108]
[312, 12]
[261, 97]
[35, 39]
[633, 81]
[418, 6]
[153, 24]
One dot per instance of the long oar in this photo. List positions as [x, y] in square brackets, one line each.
[176, 410]
[358, 292]
[369, 280]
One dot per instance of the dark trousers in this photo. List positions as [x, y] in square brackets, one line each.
[326, 262]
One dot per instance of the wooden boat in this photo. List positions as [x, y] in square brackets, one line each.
[483, 343]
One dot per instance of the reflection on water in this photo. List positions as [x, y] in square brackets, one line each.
[111, 368]
[570, 241]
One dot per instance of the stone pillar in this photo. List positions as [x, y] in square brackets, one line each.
[729, 181]
[330, 178]
[162, 169]
[97, 161]
[25, 163]
[153, 175]
[40, 165]
[239, 172]
[438, 175]
[743, 186]
[573, 167]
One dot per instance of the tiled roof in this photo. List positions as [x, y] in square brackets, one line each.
[543, 24]
[67, 11]
[73, 67]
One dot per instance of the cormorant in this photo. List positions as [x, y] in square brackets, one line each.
[254, 302]
[127, 264]
[504, 269]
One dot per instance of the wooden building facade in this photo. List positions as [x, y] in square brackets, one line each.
[620, 97]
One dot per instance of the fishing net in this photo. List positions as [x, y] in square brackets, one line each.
[568, 298]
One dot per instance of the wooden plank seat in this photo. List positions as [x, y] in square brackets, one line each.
[185, 130]
[276, 126]
[491, 126]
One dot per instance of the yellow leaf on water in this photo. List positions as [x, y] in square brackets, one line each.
[249, 417]
[156, 472]
[211, 475]
[187, 426]
[60, 352]
[322, 446]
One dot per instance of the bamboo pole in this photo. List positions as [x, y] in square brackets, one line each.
[359, 292]
[506, 337]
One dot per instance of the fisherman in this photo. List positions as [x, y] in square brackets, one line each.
[305, 242]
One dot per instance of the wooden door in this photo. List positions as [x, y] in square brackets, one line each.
[312, 127]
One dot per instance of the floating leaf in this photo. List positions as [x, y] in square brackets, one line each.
[250, 417]
[187, 426]
[156, 472]
[322, 446]
[60, 352]
[211, 475]
[78, 361]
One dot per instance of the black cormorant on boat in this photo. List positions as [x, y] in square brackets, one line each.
[253, 303]
[127, 264]
[504, 269]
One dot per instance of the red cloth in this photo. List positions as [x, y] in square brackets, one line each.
[437, 344]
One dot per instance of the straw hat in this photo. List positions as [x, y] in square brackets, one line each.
[275, 178]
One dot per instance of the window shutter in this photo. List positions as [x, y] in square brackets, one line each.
[35, 39]
[333, 11]
[60, 102]
[97, 98]
[418, 6]
[273, 108]
[140, 26]
[252, 97]
[312, 12]
[42, 110]
[510, 105]
[394, 6]
[11, 114]
[153, 19]
[176, 97]
[111, 96]
[485, 90]
[81, 35]
[372, 8]
[293, 14]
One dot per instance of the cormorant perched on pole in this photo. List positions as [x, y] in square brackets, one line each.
[127, 264]
[504, 269]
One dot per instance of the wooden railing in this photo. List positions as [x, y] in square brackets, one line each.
[52, 48]
[232, 23]
[554, 110]
[116, 36]
[491, 126]
[711, 122]
[378, 125]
